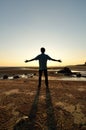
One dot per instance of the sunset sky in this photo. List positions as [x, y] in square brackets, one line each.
[28, 25]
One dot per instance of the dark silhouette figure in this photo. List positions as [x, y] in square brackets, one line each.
[43, 65]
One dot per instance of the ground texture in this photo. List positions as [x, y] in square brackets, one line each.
[24, 106]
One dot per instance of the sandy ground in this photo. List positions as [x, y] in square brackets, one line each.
[24, 106]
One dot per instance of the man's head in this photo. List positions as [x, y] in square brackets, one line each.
[42, 49]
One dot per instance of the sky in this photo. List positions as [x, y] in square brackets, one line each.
[28, 25]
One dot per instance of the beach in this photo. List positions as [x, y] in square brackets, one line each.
[24, 106]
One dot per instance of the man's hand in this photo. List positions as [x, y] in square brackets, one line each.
[26, 61]
[59, 61]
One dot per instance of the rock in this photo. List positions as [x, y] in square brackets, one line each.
[34, 74]
[65, 71]
[5, 77]
[16, 77]
[78, 75]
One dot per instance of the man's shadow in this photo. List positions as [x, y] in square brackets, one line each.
[29, 123]
[51, 122]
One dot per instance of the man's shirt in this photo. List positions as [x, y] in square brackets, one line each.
[42, 61]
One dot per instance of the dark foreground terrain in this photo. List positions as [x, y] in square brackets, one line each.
[24, 106]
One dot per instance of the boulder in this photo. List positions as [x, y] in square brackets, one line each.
[16, 77]
[5, 77]
[65, 71]
[78, 75]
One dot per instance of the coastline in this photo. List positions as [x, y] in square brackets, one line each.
[25, 72]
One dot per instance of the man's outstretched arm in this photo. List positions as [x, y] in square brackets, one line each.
[29, 60]
[55, 60]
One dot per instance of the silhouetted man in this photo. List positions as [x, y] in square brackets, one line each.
[43, 65]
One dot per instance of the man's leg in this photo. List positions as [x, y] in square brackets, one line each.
[46, 77]
[40, 75]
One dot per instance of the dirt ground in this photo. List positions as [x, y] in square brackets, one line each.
[24, 106]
